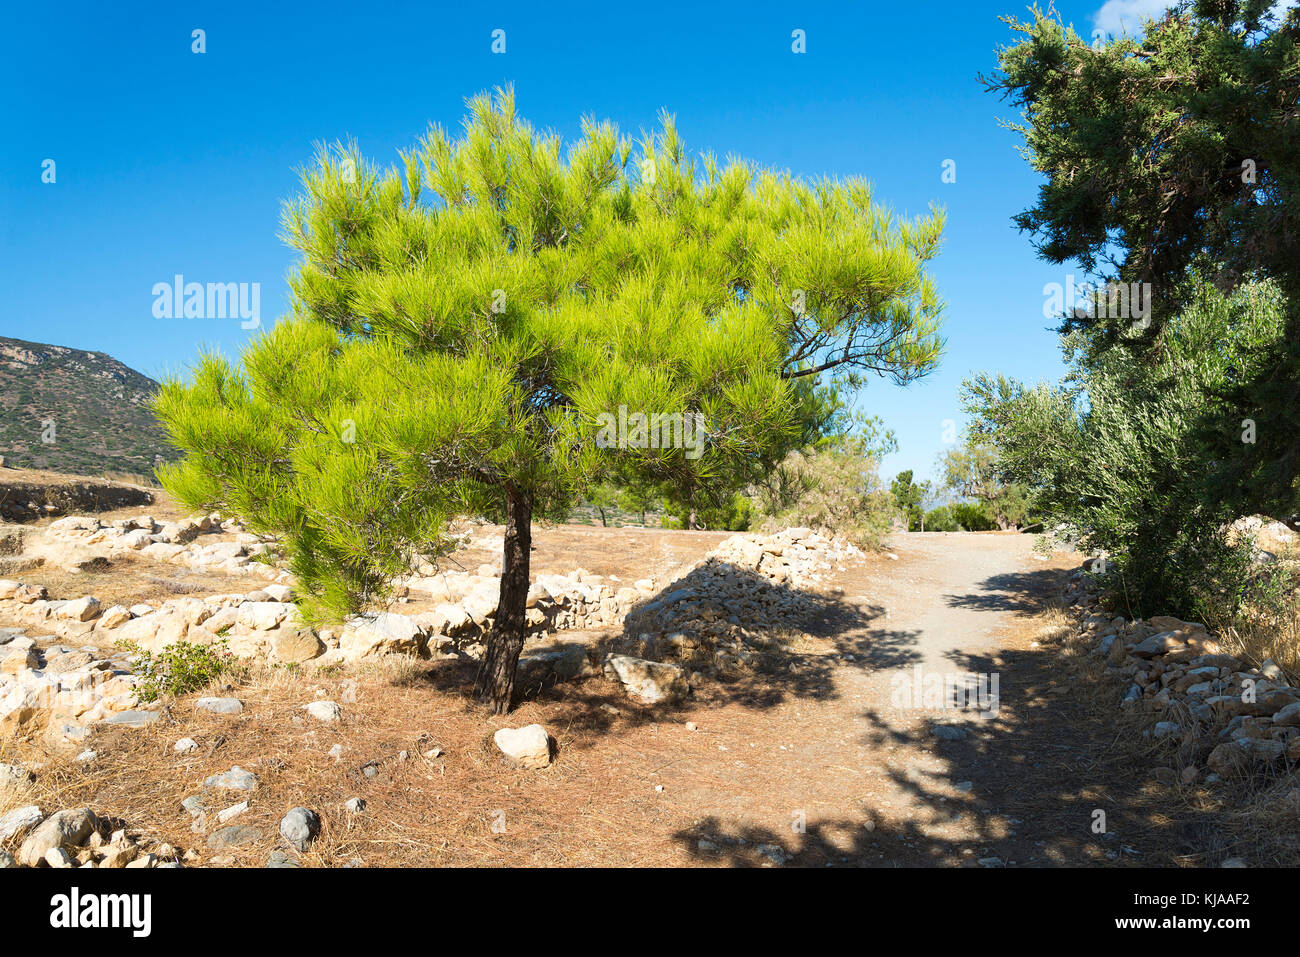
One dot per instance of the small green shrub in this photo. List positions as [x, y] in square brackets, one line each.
[833, 488]
[973, 517]
[178, 668]
[941, 519]
[736, 514]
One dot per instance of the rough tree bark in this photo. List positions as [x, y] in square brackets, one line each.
[496, 673]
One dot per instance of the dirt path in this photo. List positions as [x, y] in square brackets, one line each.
[872, 783]
[859, 765]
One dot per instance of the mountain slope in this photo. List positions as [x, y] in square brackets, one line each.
[98, 408]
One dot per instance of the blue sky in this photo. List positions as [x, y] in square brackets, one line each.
[168, 161]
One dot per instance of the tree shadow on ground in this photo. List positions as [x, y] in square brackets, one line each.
[830, 629]
[1060, 775]
[1015, 591]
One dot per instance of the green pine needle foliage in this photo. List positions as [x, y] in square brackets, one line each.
[460, 320]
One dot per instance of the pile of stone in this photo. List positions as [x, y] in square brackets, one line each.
[29, 501]
[81, 542]
[61, 689]
[1241, 716]
[467, 602]
[76, 837]
[755, 576]
[254, 623]
[1269, 538]
[797, 557]
[746, 587]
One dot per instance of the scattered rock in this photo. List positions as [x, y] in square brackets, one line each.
[1237, 756]
[296, 645]
[1157, 645]
[233, 835]
[773, 852]
[530, 747]
[1164, 729]
[13, 774]
[327, 711]
[365, 636]
[18, 822]
[80, 609]
[133, 718]
[65, 829]
[236, 779]
[220, 705]
[119, 856]
[299, 827]
[232, 812]
[57, 857]
[651, 681]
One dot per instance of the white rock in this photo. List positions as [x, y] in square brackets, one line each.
[58, 857]
[279, 592]
[19, 821]
[220, 705]
[13, 774]
[80, 609]
[529, 746]
[65, 829]
[233, 811]
[327, 711]
[651, 681]
[114, 617]
[379, 634]
[263, 615]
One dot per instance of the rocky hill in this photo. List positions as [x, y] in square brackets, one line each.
[67, 410]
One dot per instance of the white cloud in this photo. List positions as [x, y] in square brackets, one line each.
[1280, 8]
[1127, 16]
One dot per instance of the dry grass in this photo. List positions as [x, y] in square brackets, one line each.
[15, 794]
[1277, 639]
[582, 810]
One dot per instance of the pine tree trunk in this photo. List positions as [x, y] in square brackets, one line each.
[496, 673]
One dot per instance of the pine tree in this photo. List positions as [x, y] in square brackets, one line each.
[464, 324]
